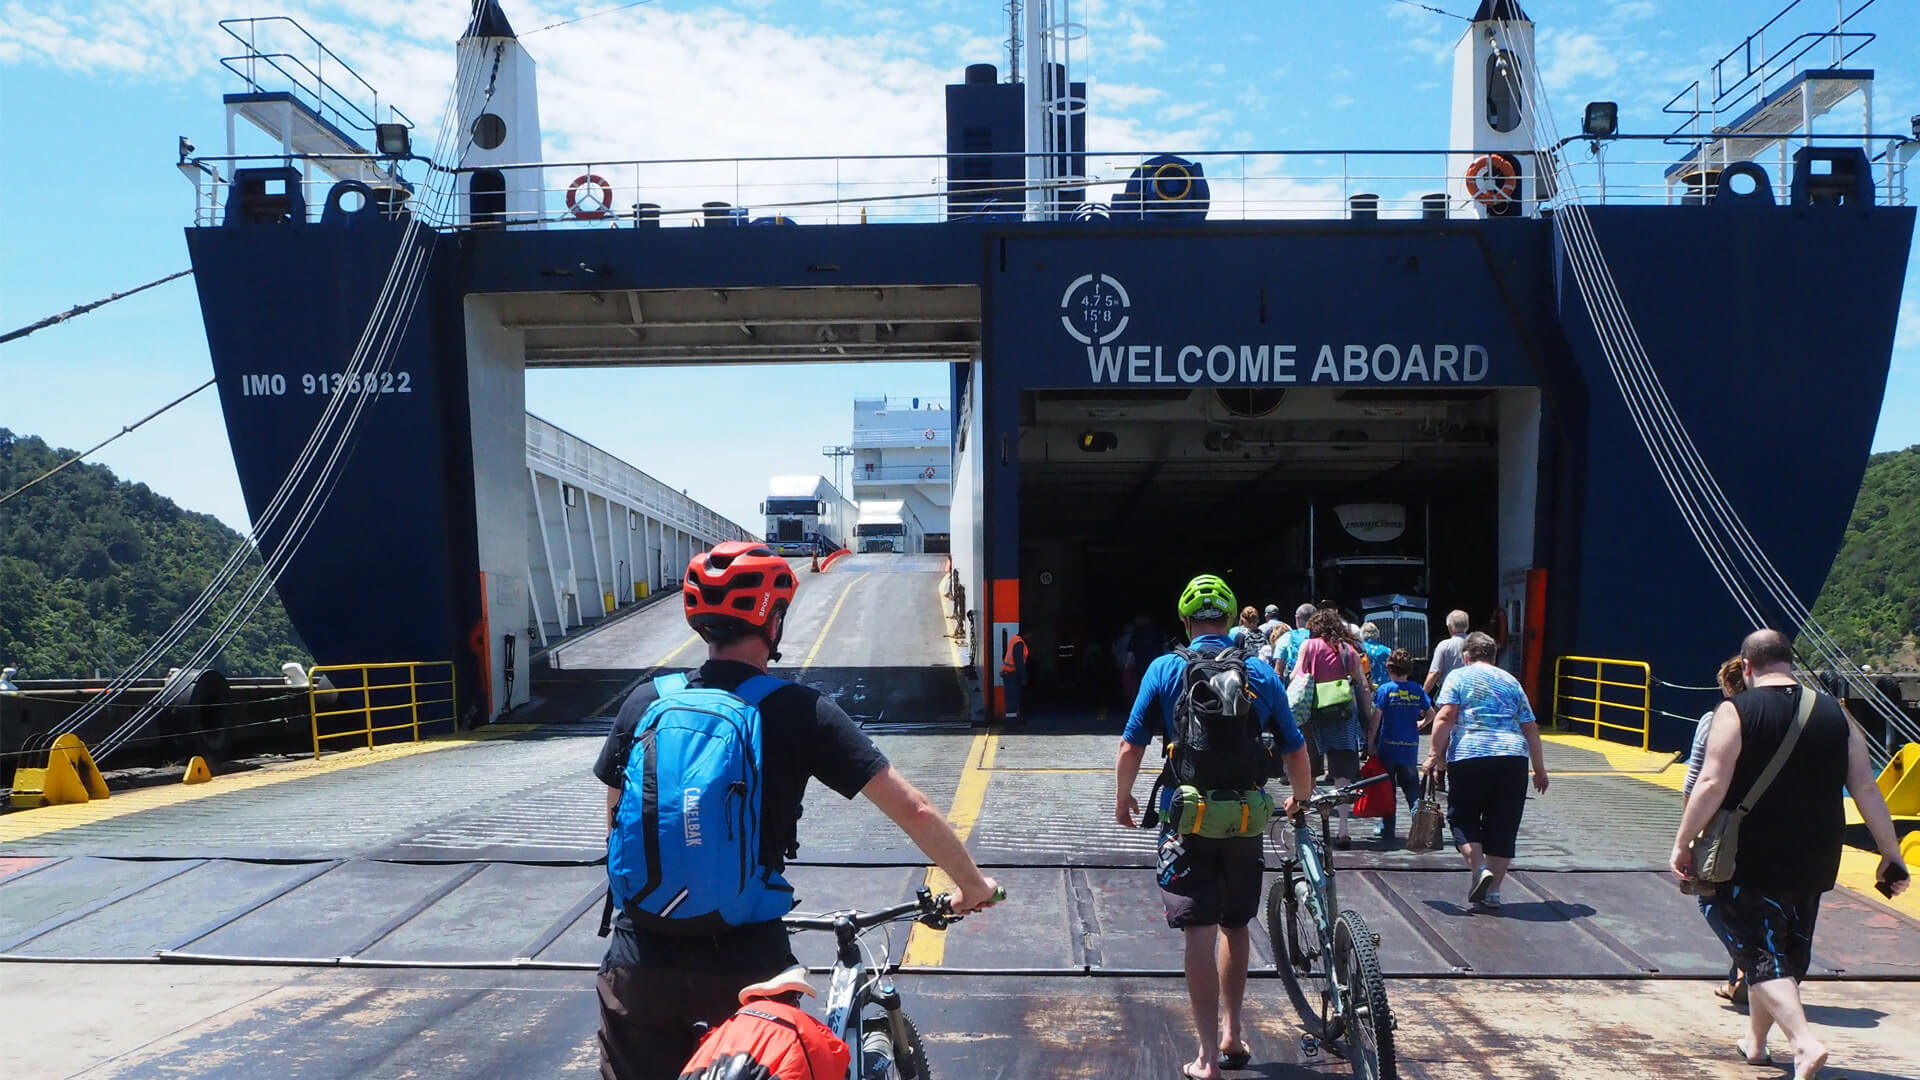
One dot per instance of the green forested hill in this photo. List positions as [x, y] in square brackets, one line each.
[1871, 604]
[93, 570]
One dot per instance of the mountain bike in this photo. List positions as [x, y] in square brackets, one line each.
[1308, 927]
[863, 1008]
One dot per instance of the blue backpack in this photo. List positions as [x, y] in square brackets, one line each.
[684, 854]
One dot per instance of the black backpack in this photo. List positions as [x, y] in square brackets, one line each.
[1216, 741]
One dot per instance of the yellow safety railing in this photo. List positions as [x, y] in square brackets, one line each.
[420, 691]
[1621, 695]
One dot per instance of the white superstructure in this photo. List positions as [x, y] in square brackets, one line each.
[903, 452]
[500, 120]
[1494, 64]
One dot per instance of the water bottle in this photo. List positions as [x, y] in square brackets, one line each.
[876, 1055]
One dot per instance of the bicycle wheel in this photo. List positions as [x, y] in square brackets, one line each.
[1296, 945]
[1369, 1017]
[909, 1055]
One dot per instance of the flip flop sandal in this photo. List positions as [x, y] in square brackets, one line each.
[1237, 1060]
[1187, 1072]
[1741, 1046]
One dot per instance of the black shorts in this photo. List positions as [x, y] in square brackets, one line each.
[1768, 936]
[653, 991]
[1486, 797]
[1205, 881]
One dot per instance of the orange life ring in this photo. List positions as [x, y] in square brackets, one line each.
[1501, 186]
[602, 197]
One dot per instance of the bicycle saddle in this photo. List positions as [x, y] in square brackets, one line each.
[791, 981]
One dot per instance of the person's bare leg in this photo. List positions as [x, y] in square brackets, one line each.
[1235, 946]
[1779, 999]
[1498, 866]
[1203, 995]
[1759, 1025]
[1470, 851]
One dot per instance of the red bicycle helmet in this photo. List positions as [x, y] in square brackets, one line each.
[739, 580]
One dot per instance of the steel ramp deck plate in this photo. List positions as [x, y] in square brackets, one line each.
[30, 903]
[338, 913]
[490, 917]
[161, 916]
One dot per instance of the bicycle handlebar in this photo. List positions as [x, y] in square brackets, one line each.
[1348, 794]
[934, 912]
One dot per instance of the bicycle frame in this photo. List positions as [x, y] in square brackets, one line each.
[1321, 899]
[855, 987]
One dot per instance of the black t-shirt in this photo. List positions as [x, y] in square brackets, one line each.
[1790, 842]
[803, 735]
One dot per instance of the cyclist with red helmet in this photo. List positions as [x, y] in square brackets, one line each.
[663, 975]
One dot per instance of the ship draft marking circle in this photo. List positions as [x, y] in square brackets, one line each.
[1094, 309]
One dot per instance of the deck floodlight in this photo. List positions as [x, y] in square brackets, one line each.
[1601, 120]
[393, 140]
[1914, 123]
[1098, 442]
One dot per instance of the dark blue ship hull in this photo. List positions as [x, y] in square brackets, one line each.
[1772, 329]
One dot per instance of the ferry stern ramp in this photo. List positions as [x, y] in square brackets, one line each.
[431, 909]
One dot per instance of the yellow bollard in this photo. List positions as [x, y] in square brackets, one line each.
[70, 777]
[197, 772]
[1900, 782]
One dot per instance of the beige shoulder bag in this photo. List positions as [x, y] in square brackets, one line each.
[1715, 847]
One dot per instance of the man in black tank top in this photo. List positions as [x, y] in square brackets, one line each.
[1790, 840]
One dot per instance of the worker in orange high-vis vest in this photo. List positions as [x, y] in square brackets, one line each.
[1013, 675]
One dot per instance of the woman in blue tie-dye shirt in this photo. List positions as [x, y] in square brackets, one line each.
[1486, 763]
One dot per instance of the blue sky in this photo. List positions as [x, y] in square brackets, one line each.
[97, 93]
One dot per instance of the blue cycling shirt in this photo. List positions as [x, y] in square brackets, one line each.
[1161, 686]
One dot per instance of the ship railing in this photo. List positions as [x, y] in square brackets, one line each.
[1604, 694]
[903, 474]
[349, 102]
[1314, 185]
[363, 701]
[1746, 72]
[891, 404]
[870, 438]
[577, 461]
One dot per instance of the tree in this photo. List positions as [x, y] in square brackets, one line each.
[93, 570]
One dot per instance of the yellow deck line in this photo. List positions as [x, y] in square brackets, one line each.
[927, 947]
[828, 625]
[24, 824]
[1857, 867]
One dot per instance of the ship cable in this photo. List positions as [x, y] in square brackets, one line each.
[386, 325]
[1648, 393]
[1435, 10]
[1683, 471]
[82, 309]
[584, 18]
[96, 447]
[399, 294]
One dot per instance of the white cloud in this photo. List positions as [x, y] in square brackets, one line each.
[1577, 55]
[1635, 9]
[1120, 96]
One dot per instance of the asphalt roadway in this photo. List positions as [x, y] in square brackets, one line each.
[429, 910]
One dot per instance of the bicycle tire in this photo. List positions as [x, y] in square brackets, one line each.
[909, 1053]
[1369, 1024]
[1283, 931]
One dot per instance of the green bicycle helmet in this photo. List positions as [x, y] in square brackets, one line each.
[1207, 597]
